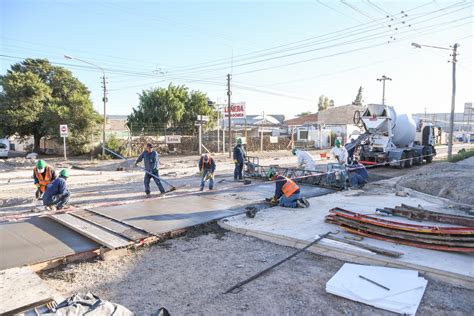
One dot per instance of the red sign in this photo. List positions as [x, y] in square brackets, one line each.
[236, 110]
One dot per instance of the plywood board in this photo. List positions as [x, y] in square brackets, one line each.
[91, 231]
[22, 288]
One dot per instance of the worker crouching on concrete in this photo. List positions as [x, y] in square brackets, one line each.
[287, 192]
[207, 166]
[359, 175]
[152, 166]
[43, 175]
[305, 160]
[239, 158]
[339, 152]
[57, 195]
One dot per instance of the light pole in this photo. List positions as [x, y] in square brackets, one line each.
[384, 78]
[453, 95]
[103, 99]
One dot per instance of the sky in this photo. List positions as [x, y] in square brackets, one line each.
[282, 55]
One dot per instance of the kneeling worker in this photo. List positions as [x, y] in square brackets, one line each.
[207, 166]
[359, 175]
[57, 194]
[287, 192]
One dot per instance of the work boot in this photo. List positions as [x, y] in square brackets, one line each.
[300, 204]
[201, 189]
[50, 208]
[147, 196]
[305, 202]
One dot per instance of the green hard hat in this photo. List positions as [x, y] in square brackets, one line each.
[293, 151]
[40, 164]
[270, 173]
[239, 140]
[338, 142]
[64, 173]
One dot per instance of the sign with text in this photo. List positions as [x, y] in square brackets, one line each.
[236, 110]
[274, 139]
[173, 139]
[63, 130]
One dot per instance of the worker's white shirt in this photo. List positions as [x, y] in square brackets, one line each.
[340, 154]
[305, 160]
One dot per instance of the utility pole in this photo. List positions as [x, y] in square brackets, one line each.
[453, 102]
[229, 93]
[105, 115]
[384, 78]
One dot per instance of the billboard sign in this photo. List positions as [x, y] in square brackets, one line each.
[237, 110]
[173, 139]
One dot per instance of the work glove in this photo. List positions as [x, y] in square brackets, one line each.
[235, 161]
[37, 185]
[200, 173]
[210, 176]
[274, 200]
[155, 171]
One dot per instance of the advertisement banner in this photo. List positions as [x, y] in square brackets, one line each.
[237, 110]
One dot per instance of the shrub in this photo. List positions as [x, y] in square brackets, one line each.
[462, 154]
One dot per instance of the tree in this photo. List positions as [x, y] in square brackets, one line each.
[358, 100]
[37, 97]
[331, 103]
[303, 113]
[323, 103]
[174, 108]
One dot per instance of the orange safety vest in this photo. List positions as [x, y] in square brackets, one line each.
[43, 182]
[289, 187]
[209, 162]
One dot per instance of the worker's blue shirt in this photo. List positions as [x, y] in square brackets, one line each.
[280, 182]
[58, 186]
[239, 154]
[151, 160]
[209, 166]
[360, 170]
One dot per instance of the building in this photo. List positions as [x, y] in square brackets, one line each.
[269, 125]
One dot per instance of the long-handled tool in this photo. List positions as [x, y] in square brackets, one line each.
[172, 187]
[240, 284]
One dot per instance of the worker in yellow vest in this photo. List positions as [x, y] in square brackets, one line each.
[287, 192]
[43, 175]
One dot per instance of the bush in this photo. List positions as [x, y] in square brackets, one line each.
[462, 154]
[114, 144]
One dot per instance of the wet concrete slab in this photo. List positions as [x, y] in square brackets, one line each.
[159, 216]
[38, 239]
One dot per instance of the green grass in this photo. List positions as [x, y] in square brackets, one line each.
[462, 154]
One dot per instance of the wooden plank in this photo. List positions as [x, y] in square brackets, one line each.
[91, 231]
[21, 288]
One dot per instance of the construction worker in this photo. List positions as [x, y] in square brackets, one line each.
[339, 153]
[42, 175]
[305, 160]
[152, 164]
[359, 175]
[207, 166]
[57, 194]
[287, 192]
[239, 158]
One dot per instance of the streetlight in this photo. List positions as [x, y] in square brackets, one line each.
[103, 99]
[453, 95]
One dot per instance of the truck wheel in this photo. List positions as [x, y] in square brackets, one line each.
[401, 163]
[429, 155]
[409, 161]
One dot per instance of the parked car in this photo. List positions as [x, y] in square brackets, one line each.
[4, 147]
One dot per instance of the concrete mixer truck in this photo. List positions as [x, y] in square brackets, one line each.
[399, 140]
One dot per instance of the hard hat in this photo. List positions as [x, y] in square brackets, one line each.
[205, 158]
[40, 164]
[149, 145]
[338, 142]
[64, 173]
[293, 151]
[239, 140]
[271, 173]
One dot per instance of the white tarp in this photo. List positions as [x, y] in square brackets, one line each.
[405, 287]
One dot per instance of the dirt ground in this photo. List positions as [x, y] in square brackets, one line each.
[188, 275]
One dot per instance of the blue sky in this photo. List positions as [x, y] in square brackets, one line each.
[282, 54]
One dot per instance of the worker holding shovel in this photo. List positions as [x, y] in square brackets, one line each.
[207, 166]
[152, 164]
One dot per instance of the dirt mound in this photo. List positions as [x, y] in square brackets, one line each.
[447, 180]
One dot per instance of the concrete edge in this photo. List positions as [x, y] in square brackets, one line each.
[355, 256]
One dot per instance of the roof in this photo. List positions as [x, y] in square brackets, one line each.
[339, 115]
[270, 119]
[117, 117]
[303, 120]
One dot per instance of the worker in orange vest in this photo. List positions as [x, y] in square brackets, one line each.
[207, 166]
[42, 175]
[287, 192]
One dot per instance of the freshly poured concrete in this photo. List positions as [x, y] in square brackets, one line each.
[159, 216]
[38, 239]
[297, 227]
